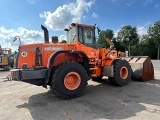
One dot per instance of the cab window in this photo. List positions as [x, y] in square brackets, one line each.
[80, 34]
[88, 36]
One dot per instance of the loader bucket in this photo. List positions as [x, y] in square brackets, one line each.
[142, 68]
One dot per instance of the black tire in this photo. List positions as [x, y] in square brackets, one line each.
[137, 75]
[51, 77]
[118, 66]
[111, 80]
[58, 84]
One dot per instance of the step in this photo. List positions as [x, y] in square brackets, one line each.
[92, 68]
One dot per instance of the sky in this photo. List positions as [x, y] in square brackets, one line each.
[23, 17]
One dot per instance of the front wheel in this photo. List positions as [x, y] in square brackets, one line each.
[69, 80]
[122, 73]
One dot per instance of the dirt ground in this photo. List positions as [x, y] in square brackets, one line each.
[101, 101]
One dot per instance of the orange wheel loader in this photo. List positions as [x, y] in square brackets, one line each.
[67, 66]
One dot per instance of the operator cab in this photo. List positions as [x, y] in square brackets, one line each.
[85, 34]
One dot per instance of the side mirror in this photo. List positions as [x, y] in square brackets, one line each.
[15, 38]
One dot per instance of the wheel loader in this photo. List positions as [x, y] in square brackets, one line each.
[6, 60]
[67, 66]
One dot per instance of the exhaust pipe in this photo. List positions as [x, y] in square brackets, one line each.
[46, 35]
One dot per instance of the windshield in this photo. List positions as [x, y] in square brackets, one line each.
[71, 35]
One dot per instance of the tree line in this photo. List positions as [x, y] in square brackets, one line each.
[129, 40]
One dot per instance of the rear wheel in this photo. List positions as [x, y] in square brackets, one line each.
[69, 80]
[122, 73]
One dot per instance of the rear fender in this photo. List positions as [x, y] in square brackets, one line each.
[77, 54]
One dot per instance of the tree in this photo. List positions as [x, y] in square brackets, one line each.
[105, 34]
[154, 35]
[129, 39]
[118, 46]
[147, 47]
[109, 34]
